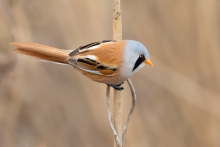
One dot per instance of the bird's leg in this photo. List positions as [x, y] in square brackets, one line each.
[117, 86]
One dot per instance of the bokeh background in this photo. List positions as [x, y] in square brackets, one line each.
[49, 105]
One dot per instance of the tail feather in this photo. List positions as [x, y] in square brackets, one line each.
[41, 51]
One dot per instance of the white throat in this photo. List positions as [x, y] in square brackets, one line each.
[131, 54]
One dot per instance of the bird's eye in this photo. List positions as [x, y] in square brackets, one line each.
[141, 56]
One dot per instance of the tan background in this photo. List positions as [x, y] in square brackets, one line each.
[49, 105]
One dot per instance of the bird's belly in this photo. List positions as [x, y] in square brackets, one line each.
[111, 79]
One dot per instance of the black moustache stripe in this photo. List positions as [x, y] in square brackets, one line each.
[138, 62]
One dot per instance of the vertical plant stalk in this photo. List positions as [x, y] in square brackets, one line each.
[117, 21]
[117, 101]
[117, 114]
[119, 142]
[133, 95]
[116, 121]
[116, 137]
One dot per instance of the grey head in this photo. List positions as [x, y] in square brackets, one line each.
[137, 55]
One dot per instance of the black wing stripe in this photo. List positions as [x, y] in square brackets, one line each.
[102, 67]
[94, 61]
[104, 41]
[89, 45]
[76, 51]
[86, 61]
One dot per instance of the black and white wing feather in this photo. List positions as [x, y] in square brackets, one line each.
[89, 63]
[88, 47]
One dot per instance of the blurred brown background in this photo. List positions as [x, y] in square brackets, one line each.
[49, 105]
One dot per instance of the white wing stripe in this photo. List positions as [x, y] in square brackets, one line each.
[92, 71]
[74, 63]
[92, 57]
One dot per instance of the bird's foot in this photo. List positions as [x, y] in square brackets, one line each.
[117, 86]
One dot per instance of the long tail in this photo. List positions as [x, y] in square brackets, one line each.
[41, 51]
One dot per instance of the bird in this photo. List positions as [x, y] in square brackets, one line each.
[110, 62]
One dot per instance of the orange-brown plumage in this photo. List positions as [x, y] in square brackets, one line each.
[109, 54]
[105, 62]
[41, 51]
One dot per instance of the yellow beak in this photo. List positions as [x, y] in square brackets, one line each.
[148, 62]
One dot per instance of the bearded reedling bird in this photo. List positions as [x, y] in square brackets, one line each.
[108, 61]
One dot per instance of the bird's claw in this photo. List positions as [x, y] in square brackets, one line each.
[117, 86]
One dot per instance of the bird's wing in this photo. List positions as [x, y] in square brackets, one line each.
[88, 47]
[90, 64]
